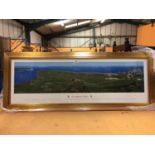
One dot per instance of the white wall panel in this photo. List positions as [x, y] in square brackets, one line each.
[76, 42]
[118, 41]
[134, 30]
[6, 28]
[118, 28]
[113, 29]
[71, 42]
[16, 31]
[124, 29]
[103, 40]
[84, 42]
[107, 30]
[106, 41]
[88, 32]
[103, 30]
[10, 29]
[98, 31]
[20, 33]
[87, 42]
[74, 34]
[78, 33]
[122, 41]
[35, 37]
[129, 27]
[67, 42]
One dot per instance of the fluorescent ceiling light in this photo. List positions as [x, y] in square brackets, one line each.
[77, 24]
[62, 22]
[100, 20]
[72, 25]
[85, 22]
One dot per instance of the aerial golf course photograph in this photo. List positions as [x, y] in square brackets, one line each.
[78, 77]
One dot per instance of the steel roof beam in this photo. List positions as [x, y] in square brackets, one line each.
[70, 31]
[34, 26]
[127, 21]
[30, 27]
[38, 24]
[21, 22]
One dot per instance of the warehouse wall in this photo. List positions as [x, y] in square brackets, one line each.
[116, 30]
[35, 37]
[11, 29]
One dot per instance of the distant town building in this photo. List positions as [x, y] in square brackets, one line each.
[134, 72]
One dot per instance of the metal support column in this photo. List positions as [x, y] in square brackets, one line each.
[44, 42]
[94, 38]
[27, 36]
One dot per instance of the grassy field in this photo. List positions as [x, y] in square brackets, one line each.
[61, 82]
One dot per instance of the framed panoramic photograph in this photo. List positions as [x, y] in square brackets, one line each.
[76, 81]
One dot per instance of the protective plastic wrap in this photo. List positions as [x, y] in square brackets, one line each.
[151, 52]
[150, 106]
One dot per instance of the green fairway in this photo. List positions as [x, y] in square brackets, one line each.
[69, 82]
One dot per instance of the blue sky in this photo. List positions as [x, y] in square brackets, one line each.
[78, 64]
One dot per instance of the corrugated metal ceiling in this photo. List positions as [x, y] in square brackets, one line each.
[67, 24]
